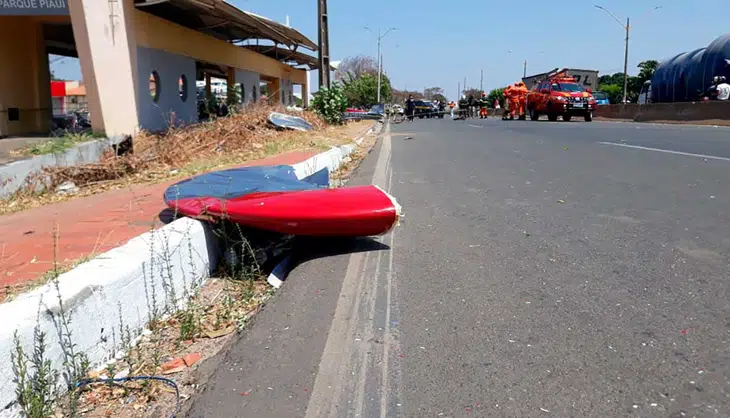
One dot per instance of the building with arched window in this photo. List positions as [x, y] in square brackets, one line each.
[141, 60]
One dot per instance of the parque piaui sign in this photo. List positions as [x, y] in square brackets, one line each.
[33, 7]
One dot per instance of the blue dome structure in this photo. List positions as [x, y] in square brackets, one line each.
[685, 76]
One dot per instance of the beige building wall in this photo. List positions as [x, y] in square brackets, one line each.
[24, 76]
[107, 49]
[107, 36]
[154, 32]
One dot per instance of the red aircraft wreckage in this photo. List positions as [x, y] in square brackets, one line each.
[274, 199]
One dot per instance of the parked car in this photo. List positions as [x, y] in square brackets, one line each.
[423, 109]
[601, 98]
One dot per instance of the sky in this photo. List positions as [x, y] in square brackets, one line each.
[439, 43]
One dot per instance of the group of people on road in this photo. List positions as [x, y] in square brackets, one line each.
[411, 108]
[469, 107]
[515, 96]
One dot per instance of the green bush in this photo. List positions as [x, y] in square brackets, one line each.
[330, 104]
[496, 94]
[362, 91]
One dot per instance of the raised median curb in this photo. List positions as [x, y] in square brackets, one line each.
[117, 286]
[710, 113]
[14, 175]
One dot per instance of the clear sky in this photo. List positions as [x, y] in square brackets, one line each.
[438, 43]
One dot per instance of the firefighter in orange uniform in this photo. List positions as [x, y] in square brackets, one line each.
[520, 91]
[509, 101]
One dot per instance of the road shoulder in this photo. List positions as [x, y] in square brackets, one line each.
[271, 369]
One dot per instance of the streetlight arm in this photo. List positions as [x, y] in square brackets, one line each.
[611, 14]
[647, 12]
[387, 31]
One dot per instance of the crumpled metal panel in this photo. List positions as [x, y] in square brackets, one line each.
[237, 182]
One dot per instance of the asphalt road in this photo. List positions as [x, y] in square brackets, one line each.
[542, 269]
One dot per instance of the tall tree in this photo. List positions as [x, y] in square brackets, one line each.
[646, 69]
[496, 94]
[356, 67]
[614, 92]
[616, 78]
[430, 92]
[400, 96]
[477, 93]
[363, 91]
[434, 93]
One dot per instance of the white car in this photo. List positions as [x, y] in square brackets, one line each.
[217, 87]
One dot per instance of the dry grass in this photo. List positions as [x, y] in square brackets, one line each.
[350, 164]
[182, 152]
[222, 307]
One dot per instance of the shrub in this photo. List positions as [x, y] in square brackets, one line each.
[330, 104]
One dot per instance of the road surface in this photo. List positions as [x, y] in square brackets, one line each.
[542, 269]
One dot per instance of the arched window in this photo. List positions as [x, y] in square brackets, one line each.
[155, 86]
[182, 85]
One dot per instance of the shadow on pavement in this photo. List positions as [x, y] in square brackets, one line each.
[307, 248]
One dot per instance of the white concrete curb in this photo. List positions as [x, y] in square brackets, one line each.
[120, 283]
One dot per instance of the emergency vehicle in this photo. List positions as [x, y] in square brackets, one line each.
[560, 95]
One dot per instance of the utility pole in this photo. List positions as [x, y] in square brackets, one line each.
[380, 56]
[324, 44]
[627, 28]
[380, 67]
[481, 81]
[380, 75]
[524, 70]
[465, 84]
[626, 61]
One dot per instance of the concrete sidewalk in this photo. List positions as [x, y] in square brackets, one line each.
[87, 226]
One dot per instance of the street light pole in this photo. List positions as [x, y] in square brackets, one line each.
[626, 27]
[626, 61]
[380, 67]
